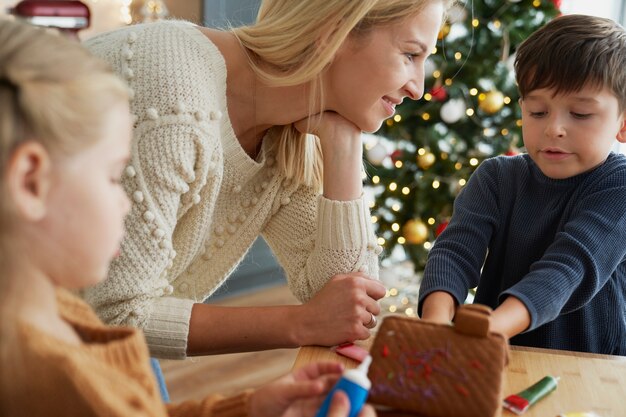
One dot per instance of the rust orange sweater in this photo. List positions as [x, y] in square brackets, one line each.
[108, 374]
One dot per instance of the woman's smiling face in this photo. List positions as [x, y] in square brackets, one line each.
[373, 72]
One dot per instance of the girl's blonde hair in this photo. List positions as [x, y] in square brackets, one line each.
[293, 41]
[51, 91]
[54, 92]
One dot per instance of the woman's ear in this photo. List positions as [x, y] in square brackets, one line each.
[28, 177]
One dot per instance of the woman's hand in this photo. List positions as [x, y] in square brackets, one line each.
[342, 149]
[332, 129]
[301, 393]
[339, 312]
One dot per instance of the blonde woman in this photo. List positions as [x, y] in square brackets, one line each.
[65, 132]
[250, 132]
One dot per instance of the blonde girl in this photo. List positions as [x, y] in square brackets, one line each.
[250, 132]
[65, 131]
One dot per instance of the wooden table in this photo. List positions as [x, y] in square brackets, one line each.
[588, 382]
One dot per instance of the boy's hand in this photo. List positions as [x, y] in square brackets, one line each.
[510, 318]
[439, 307]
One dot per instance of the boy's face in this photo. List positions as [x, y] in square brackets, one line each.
[568, 134]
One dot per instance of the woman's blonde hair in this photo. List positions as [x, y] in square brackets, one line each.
[54, 92]
[293, 41]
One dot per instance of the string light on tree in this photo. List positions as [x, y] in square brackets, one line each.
[126, 15]
[153, 10]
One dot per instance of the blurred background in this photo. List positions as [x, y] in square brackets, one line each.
[419, 160]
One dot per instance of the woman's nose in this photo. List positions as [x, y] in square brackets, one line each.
[414, 89]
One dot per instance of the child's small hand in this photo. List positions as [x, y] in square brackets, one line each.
[340, 407]
[510, 318]
[298, 394]
[438, 307]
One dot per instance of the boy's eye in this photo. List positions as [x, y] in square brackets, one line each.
[537, 113]
[581, 115]
[411, 56]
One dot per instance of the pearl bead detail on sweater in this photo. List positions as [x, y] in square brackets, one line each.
[148, 216]
[200, 116]
[152, 113]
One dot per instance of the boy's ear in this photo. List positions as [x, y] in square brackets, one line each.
[28, 179]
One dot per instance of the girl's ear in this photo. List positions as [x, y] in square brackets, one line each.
[28, 178]
[621, 133]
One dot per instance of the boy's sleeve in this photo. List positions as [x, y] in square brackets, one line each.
[316, 238]
[580, 261]
[455, 261]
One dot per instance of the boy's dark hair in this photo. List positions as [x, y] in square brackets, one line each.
[571, 52]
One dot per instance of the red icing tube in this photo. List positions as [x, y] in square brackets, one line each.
[352, 351]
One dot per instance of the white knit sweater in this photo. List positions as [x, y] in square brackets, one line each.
[199, 201]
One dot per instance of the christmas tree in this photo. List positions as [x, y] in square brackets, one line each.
[469, 112]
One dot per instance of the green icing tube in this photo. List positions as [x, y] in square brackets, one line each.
[520, 402]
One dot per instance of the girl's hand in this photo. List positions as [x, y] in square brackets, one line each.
[301, 393]
[339, 312]
[340, 407]
[298, 394]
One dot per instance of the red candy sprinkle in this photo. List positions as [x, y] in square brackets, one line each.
[476, 364]
[462, 390]
[385, 351]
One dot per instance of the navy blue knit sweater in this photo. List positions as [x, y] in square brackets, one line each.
[557, 245]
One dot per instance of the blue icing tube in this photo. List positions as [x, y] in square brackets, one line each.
[355, 384]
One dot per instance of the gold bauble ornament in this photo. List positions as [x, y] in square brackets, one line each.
[426, 161]
[415, 232]
[491, 102]
[443, 32]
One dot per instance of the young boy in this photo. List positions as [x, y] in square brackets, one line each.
[543, 235]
